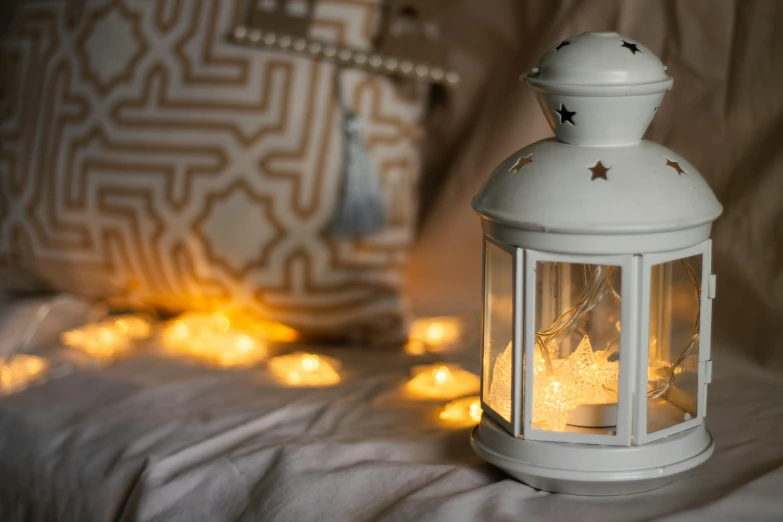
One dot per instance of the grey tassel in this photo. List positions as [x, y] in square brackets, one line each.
[361, 210]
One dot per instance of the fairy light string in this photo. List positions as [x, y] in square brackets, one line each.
[585, 376]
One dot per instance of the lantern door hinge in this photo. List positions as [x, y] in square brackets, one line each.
[708, 371]
[712, 282]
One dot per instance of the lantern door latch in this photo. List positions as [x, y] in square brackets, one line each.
[708, 371]
[712, 282]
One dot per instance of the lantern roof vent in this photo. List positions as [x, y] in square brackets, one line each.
[599, 92]
[550, 186]
[601, 63]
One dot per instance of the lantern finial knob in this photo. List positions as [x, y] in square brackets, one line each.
[599, 88]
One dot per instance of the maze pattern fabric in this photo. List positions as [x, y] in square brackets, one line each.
[146, 159]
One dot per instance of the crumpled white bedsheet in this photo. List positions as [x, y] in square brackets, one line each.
[160, 440]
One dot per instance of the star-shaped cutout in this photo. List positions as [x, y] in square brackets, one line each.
[561, 45]
[565, 115]
[631, 47]
[675, 166]
[521, 162]
[599, 171]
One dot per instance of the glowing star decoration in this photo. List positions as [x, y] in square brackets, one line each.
[500, 384]
[305, 369]
[109, 338]
[213, 340]
[584, 377]
[434, 332]
[465, 411]
[440, 381]
[19, 371]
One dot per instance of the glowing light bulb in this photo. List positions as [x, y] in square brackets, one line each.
[305, 369]
[244, 343]
[180, 330]
[440, 381]
[122, 326]
[475, 410]
[463, 411]
[213, 340]
[310, 363]
[414, 347]
[581, 378]
[441, 375]
[21, 370]
[109, 338]
[435, 332]
[222, 323]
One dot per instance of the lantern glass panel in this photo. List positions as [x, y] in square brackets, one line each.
[673, 362]
[577, 347]
[498, 329]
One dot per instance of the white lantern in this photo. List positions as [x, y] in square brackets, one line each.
[597, 285]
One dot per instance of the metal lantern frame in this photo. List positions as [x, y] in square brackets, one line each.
[596, 195]
[632, 393]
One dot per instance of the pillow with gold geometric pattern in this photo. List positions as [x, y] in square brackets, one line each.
[145, 159]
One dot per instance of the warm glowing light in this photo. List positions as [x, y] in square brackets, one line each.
[310, 363]
[270, 331]
[305, 369]
[278, 332]
[222, 323]
[436, 332]
[462, 411]
[214, 340]
[109, 338]
[179, 330]
[441, 375]
[19, 371]
[440, 381]
[584, 377]
[414, 347]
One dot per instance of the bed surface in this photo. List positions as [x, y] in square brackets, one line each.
[151, 438]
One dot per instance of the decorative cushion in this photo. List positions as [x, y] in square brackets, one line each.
[146, 159]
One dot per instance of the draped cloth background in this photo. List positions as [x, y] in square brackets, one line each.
[724, 114]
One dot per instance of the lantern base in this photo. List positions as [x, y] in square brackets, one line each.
[590, 469]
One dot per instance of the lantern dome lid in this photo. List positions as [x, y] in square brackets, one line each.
[599, 88]
[600, 63]
[556, 187]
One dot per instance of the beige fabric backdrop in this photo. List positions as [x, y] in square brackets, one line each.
[725, 114]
